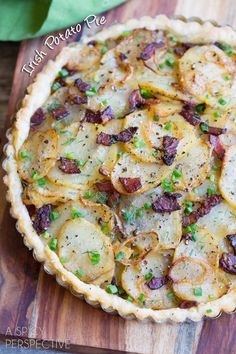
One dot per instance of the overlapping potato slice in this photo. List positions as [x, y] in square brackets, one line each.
[138, 145]
[195, 272]
[150, 174]
[103, 156]
[133, 280]
[37, 155]
[48, 193]
[83, 247]
[227, 182]
[208, 74]
[136, 218]
[96, 214]
[194, 166]
[214, 118]
[135, 248]
[166, 107]
[86, 58]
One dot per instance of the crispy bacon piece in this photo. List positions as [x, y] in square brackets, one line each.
[42, 219]
[189, 113]
[112, 194]
[228, 263]
[149, 50]
[37, 118]
[124, 136]
[82, 86]
[217, 146]
[69, 166]
[166, 203]
[232, 240]
[135, 100]
[212, 130]
[92, 43]
[122, 57]
[157, 282]
[131, 185]
[99, 117]
[187, 304]
[60, 113]
[204, 209]
[169, 149]
[77, 99]
[181, 49]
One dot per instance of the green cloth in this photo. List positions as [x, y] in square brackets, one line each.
[22, 19]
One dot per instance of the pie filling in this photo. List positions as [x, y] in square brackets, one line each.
[129, 169]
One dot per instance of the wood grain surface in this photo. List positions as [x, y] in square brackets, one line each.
[32, 301]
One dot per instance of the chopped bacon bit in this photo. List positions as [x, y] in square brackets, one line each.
[135, 99]
[112, 194]
[181, 49]
[37, 118]
[149, 50]
[217, 146]
[92, 43]
[131, 185]
[189, 113]
[204, 209]
[82, 86]
[228, 263]
[166, 203]
[169, 149]
[103, 171]
[157, 282]
[232, 240]
[60, 113]
[187, 304]
[98, 116]
[122, 57]
[42, 219]
[77, 99]
[69, 166]
[212, 130]
[124, 136]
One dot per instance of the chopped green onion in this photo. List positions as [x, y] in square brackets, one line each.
[104, 228]
[70, 156]
[212, 178]
[129, 298]
[120, 153]
[103, 50]
[173, 39]
[216, 114]
[176, 174]
[139, 213]
[210, 296]
[141, 298]
[23, 154]
[96, 78]
[120, 291]
[94, 257]
[119, 256]
[194, 236]
[147, 205]
[55, 86]
[204, 127]
[41, 181]
[80, 163]
[228, 77]
[222, 101]
[54, 215]
[63, 259]
[128, 216]
[167, 186]
[209, 191]
[227, 49]
[191, 228]
[125, 33]
[200, 108]
[87, 194]
[149, 276]
[79, 273]
[34, 175]
[63, 73]
[53, 244]
[45, 235]
[104, 103]
[161, 66]
[146, 94]
[170, 62]
[171, 296]
[156, 118]
[168, 126]
[112, 289]
[188, 208]
[215, 168]
[75, 213]
[138, 143]
[208, 310]
[197, 291]
[155, 154]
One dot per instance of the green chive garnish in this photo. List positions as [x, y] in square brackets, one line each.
[112, 289]
[75, 213]
[53, 244]
[149, 276]
[120, 256]
[94, 257]
[197, 291]
[54, 215]
[79, 273]
[41, 181]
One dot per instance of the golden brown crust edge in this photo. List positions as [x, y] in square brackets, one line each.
[194, 31]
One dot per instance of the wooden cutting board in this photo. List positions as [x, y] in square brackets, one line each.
[33, 305]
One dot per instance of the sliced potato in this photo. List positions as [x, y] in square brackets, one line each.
[227, 182]
[137, 146]
[187, 268]
[150, 174]
[83, 247]
[208, 74]
[37, 155]
[103, 156]
[168, 226]
[134, 282]
[214, 118]
[194, 166]
[86, 58]
[166, 107]
[49, 193]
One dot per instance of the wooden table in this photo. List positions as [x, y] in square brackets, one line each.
[32, 301]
